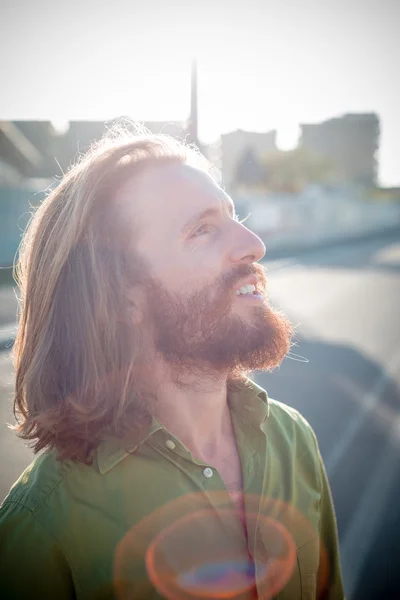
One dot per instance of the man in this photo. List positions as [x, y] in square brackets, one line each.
[164, 472]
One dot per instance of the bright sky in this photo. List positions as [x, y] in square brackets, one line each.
[262, 63]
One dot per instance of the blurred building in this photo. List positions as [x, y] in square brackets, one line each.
[250, 172]
[37, 150]
[9, 176]
[239, 144]
[24, 150]
[349, 143]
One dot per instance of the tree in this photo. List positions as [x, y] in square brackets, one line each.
[292, 170]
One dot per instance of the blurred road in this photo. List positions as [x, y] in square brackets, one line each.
[344, 376]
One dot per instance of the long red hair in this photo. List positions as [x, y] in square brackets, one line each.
[75, 349]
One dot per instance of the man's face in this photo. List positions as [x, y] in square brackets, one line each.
[199, 257]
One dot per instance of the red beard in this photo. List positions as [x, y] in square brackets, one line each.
[199, 331]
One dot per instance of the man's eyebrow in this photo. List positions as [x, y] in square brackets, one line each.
[208, 212]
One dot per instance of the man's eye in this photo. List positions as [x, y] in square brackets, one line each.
[202, 230]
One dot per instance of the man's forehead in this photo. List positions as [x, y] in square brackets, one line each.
[177, 190]
[178, 178]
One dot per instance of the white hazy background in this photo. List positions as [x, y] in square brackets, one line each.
[262, 64]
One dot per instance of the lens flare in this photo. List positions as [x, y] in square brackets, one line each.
[189, 558]
[196, 548]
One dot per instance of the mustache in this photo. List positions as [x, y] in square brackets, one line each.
[242, 271]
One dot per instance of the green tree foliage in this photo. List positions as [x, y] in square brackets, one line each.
[281, 171]
[293, 170]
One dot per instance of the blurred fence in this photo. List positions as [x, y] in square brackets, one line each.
[314, 218]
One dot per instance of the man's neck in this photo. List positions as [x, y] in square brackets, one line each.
[196, 412]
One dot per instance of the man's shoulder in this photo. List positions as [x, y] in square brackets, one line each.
[283, 421]
[287, 426]
[287, 414]
[38, 481]
[279, 410]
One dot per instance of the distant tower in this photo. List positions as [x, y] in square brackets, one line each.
[193, 119]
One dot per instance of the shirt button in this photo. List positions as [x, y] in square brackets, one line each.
[207, 472]
[170, 444]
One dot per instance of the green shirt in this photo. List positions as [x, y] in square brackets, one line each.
[125, 526]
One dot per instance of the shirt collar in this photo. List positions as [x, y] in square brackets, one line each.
[248, 400]
[111, 451]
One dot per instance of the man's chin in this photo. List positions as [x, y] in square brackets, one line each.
[263, 342]
[259, 342]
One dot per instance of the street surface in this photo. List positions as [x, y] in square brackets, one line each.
[344, 377]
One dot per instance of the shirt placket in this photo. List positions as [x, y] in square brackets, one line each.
[205, 480]
[252, 447]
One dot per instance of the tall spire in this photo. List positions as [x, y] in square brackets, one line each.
[193, 119]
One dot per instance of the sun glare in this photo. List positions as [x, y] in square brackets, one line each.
[287, 135]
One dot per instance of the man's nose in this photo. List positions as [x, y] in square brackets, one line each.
[246, 245]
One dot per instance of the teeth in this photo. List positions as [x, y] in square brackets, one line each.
[246, 289]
